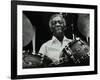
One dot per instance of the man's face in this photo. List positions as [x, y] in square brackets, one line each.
[57, 25]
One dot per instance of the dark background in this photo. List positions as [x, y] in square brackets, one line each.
[41, 21]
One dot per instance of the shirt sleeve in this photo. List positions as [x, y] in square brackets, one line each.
[43, 49]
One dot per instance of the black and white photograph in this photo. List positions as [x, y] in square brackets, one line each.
[51, 39]
[55, 39]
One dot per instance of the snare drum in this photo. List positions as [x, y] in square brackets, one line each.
[76, 52]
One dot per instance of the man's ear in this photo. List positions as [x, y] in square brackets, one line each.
[51, 29]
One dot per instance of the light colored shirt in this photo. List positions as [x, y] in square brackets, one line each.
[53, 48]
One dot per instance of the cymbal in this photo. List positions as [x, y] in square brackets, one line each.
[84, 24]
[28, 30]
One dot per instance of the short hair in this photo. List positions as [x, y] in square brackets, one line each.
[55, 15]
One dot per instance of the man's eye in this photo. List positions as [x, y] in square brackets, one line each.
[55, 22]
[60, 22]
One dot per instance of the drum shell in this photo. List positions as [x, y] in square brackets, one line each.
[77, 53]
[79, 49]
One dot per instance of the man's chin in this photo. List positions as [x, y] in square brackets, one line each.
[59, 33]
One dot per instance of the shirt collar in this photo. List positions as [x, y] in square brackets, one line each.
[55, 39]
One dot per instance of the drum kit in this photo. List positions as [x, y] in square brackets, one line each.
[75, 53]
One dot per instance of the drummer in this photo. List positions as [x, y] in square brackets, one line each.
[53, 48]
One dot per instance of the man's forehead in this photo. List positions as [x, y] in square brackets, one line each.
[57, 18]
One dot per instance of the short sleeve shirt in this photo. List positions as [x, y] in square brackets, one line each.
[54, 47]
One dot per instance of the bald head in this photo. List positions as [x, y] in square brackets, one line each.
[57, 25]
[57, 17]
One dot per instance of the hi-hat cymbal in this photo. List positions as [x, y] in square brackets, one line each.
[84, 24]
[28, 30]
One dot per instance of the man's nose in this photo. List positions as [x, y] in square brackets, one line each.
[57, 24]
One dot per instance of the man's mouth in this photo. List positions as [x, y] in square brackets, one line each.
[58, 29]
